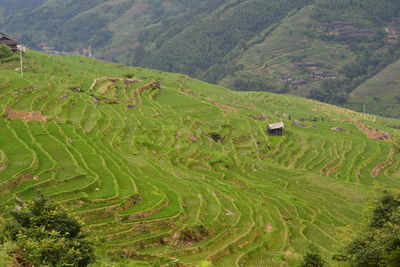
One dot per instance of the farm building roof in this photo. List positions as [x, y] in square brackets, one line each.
[7, 37]
[277, 125]
[331, 75]
[298, 82]
[8, 41]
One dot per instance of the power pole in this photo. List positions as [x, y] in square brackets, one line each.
[22, 63]
[21, 49]
[364, 107]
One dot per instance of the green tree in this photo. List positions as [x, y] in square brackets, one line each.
[379, 244]
[5, 52]
[312, 258]
[43, 234]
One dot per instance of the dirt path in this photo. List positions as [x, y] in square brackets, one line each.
[225, 107]
[370, 132]
[377, 170]
[25, 115]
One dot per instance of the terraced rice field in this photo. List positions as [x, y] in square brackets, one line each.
[133, 155]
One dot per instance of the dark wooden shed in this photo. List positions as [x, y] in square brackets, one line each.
[276, 129]
[9, 41]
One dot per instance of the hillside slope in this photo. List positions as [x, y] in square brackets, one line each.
[196, 34]
[380, 94]
[324, 51]
[243, 45]
[265, 62]
[161, 165]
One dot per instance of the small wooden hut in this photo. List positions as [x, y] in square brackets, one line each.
[276, 129]
[9, 41]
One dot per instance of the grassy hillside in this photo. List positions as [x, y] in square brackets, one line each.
[380, 94]
[243, 45]
[163, 166]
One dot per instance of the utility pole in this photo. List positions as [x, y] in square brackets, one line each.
[21, 49]
[364, 107]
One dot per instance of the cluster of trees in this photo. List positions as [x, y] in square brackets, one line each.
[252, 83]
[207, 42]
[380, 11]
[6, 54]
[41, 233]
[377, 245]
[331, 91]
[63, 24]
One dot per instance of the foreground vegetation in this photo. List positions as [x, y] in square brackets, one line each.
[165, 169]
[379, 243]
[43, 234]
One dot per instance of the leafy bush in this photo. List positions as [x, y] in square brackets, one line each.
[396, 141]
[42, 233]
[5, 52]
[312, 258]
[379, 243]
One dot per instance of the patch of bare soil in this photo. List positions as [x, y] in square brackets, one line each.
[189, 92]
[377, 170]
[370, 132]
[298, 123]
[187, 236]
[152, 85]
[145, 214]
[25, 115]
[225, 107]
[338, 129]
[258, 117]
[192, 138]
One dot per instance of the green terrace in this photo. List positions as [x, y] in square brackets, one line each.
[163, 165]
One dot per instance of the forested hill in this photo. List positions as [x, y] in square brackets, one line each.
[241, 44]
[183, 36]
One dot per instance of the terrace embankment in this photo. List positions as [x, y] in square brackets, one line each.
[191, 174]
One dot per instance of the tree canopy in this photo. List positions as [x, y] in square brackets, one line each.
[41, 233]
[312, 258]
[379, 243]
[5, 52]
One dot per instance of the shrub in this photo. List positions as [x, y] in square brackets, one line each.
[312, 258]
[379, 243]
[5, 52]
[42, 233]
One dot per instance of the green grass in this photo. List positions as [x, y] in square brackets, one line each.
[139, 177]
[379, 94]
